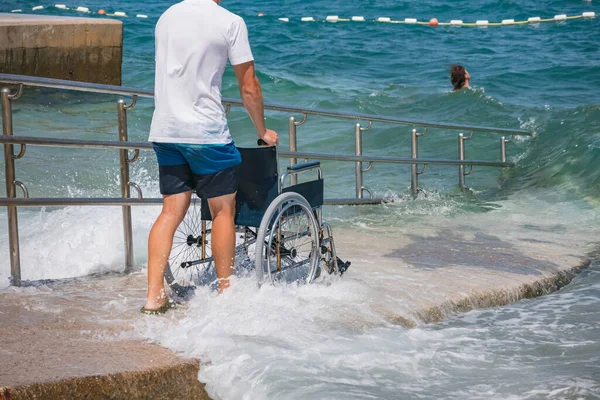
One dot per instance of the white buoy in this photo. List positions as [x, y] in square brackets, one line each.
[82, 9]
[508, 22]
[141, 16]
[410, 20]
[16, 11]
[560, 17]
[284, 19]
[37, 8]
[482, 22]
[588, 14]
[534, 19]
[61, 6]
[384, 19]
[358, 19]
[457, 22]
[120, 14]
[308, 19]
[332, 18]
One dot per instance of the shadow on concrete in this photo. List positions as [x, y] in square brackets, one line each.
[449, 248]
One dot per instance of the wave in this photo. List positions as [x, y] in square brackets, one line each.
[564, 155]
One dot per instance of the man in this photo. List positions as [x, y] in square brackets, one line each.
[189, 129]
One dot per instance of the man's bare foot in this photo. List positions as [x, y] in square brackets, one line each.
[164, 307]
[156, 302]
[223, 284]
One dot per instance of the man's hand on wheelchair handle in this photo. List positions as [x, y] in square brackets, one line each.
[269, 138]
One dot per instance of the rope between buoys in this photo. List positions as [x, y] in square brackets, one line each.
[334, 18]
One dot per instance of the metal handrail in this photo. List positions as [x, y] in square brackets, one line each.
[79, 143]
[124, 91]
[118, 201]
[7, 140]
[392, 160]
[109, 144]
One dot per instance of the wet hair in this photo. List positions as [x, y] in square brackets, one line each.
[458, 76]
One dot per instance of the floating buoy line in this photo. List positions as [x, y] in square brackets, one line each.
[83, 10]
[335, 19]
[455, 22]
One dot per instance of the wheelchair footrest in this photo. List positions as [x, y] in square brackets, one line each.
[182, 293]
[343, 265]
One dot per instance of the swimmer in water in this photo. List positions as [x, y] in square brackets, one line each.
[459, 77]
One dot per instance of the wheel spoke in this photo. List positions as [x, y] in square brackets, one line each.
[184, 252]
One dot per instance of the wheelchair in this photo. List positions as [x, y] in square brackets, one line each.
[282, 224]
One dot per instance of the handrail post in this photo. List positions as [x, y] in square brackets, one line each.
[358, 168]
[461, 157]
[9, 176]
[414, 175]
[292, 140]
[503, 142]
[125, 192]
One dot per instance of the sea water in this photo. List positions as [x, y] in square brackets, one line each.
[544, 78]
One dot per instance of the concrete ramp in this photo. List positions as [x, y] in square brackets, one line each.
[80, 338]
[74, 340]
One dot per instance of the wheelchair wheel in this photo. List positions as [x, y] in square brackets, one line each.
[187, 265]
[287, 243]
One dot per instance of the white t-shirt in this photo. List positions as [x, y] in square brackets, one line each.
[194, 39]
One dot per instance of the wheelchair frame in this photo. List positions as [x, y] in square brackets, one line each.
[277, 256]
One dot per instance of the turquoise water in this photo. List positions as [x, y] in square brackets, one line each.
[543, 78]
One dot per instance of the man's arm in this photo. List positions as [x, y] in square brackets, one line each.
[251, 94]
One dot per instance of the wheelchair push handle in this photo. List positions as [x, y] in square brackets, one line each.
[261, 142]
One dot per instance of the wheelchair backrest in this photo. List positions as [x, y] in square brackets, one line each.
[257, 187]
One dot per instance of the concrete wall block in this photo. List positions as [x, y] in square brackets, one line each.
[108, 35]
[83, 49]
[95, 64]
[10, 37]
[79, 33]
[59, 37]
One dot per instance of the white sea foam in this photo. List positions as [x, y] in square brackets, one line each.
[529, 124]
[326, 342]
[232, 329]
[67, 242]
[337, 340]
[75, 241]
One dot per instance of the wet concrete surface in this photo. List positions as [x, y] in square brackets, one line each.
[63, 339]
[83, 330]
[447, 267]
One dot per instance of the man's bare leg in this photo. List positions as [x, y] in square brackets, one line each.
[159, 245]
[222, 209]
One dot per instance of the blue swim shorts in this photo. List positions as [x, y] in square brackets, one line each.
[208, 169]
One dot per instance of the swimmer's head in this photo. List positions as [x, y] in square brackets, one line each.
[459, 77]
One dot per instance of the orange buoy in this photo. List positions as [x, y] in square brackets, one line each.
[101, 12]
[433, 22]
[261, 14]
